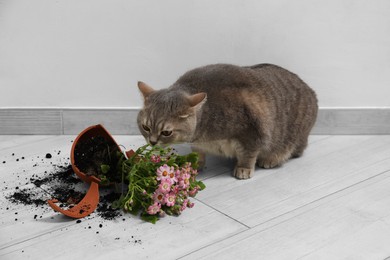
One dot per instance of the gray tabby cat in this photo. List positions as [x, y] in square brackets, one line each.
[261, 113]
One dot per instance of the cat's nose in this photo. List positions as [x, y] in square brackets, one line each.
[152, 142]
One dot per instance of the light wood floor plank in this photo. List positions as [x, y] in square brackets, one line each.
[4, 138]
[351, 224]
[13, 141]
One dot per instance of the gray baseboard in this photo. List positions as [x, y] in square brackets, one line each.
[330, 121]
[363, 121]
[66, 121]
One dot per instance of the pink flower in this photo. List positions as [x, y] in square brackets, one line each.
[177, 174]
[190, 204]
[187, 168]
[159, 197]
[154, 209]
[165, 186]
[172, 177]
[170, 199]
[184, 206]
[184, 192]
[155, 158]
[175, 189]
[164, 172]
[184, 180]
[193, 192]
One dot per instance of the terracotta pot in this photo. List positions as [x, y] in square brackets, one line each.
[95, 130]
[90, 201]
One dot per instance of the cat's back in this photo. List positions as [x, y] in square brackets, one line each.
[262, 90]
[216, 77]
[270, 75]
[266, 84]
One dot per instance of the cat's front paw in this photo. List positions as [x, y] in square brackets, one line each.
[243, 173]
[268, 164]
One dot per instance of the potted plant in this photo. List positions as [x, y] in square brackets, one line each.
[159, 180]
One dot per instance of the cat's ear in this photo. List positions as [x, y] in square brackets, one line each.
[197, 100]
[145, 89]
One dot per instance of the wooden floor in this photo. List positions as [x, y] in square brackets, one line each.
[333, 203]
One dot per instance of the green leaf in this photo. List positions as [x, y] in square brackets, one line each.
[171, 161]
[149, 218]
[105, 168]
[135, 210]
[201, 185]
[193, 158]
[104, 180]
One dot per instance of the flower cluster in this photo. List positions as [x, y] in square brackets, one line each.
[173, 189]
[159, 182]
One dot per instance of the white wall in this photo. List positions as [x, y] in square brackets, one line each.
[91, 53]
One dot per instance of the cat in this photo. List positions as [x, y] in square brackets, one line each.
[261, 113]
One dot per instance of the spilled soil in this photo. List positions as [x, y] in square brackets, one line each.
[50, 176]
[62, 184]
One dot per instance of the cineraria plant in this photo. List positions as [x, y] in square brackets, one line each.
[159, 182]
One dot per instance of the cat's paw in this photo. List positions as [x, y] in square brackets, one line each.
[243, 173]
[268, 164]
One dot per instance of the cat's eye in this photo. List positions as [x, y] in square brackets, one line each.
[184, 116]
[146, 128]
[166, 133]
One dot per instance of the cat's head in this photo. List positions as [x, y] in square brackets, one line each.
[169, 115]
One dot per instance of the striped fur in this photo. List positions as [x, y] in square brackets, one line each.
[261, 113]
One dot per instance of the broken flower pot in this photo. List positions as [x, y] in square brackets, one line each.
[82, 164]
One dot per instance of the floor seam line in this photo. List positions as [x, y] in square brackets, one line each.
[235, 220]
[205, 246]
